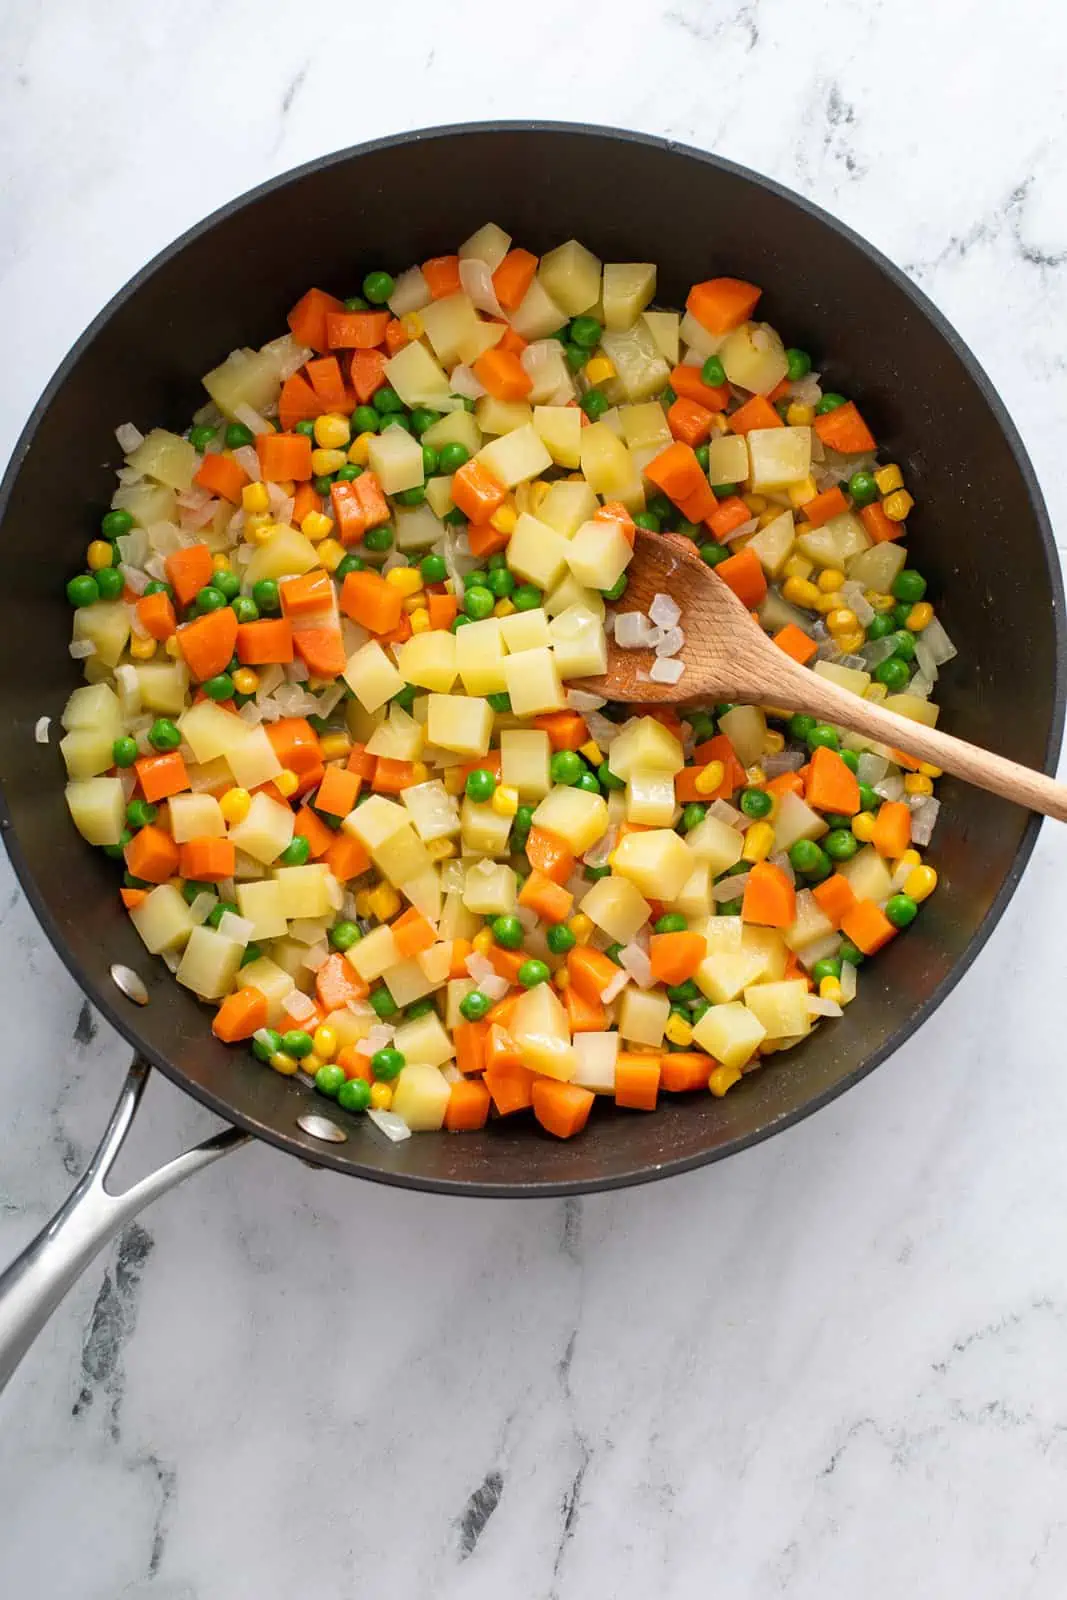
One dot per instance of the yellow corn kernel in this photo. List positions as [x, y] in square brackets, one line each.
[863, 826]
[723, 1078]
[771, 514]
[600, 369]
[799, 592]
[286, 782]
[591, 751]
[324, 1042]
[359, 449]
[537, 491]
[142, 649]
[412, 324]
[324, 462]
[255, 499]
[910, 858]
[332, 431]
[407, 579]
[916, 783]
[581, 926]
[284, 1064]
[755, 503]
[773, 742]
[505, 800]
[381, 1096]
[889, 478]
[710, 778]
[334, 746]
[420, 619]
[504, 608]
[678, 1031]
[561, 978]
[877, 601]
[850, 643]
[897, 505]
[830, 989]
[755, 774]
[798, 566]
[384, 902]
[263, 531]
[504, 519]
[245, 681]
[172, 647]
[759, 842]
[801, 493]
[920, 616]
[420, 772]
[718, 422]
[454, 779]
[441, 849]
[311, 1064]
[876, 691]
[842, 620]
[363, 905]
[482, 941]
[829, 579]
[928, 770]
[920, 883]
[803, 528]
[829, 602]
[235, 804]
[99, 555]
[799, 415]
[316, 525]
[221, 563]
[330, 553]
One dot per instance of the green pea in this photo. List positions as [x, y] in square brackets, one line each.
[113, 524]
[480, 785]
[618, 588]
[508, 932]
[881, 625]
[422, 418]
[462, 621]
[473, 1006]
[834, 819]
[680, 994]
[191, 888]
[451, 457]
[388, 1063]
[433, 569]
[524, 818]
[851, 760]
[244, 608]
[347, 564]
[410, 497]
[110, 583]
[228, 584]
[238, 435]
[209, 599]
[130, 882]
[588, 782]
[419, 1008]
[266, 597]
[594, 874]
[297, 1043]
[163, 735]
[476, 579]
[220, 687]
[670, 922]
[575, 356]
[870, 800]
[667, 397]
[693, 815]
[608, 780]
[594, 403]
[405, 697]
[862, 488]
[565, 767]
[823, 734]
[117, 851]
[297, 852]
[466, 401]
[478, 604]
[268, 1044]
[851, 953]
[253, 952]
[83, 590]
[365, 419]
[690, 530]
[703, 455]
[499, 702]
[894, 673]
[533, 972]
[724, 491]
[306, 428]
[829, 402]
[344, 934]
[755, 802]
[396, 420]
[904, 640]
[647, 520]
[702, 724]
[698, 1009]
[430, 461]
[378, 539]
[348, 473]
[526, 597]
[356, 302]
[387, 401]
[330, 1080]
[828, 967]
[560, 939]
[322, 483]
[901, 910]
[908, 586]
[124, 751]
[354, 1094]
[713, 373]
[378, 287]
[216, 914]
[382, 1002]
[501, 583]
[806, 856]
[798, 364]
[840, 844]
[711, 554]
[586, 332]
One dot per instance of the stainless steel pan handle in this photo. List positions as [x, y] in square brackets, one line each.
[36, 1281]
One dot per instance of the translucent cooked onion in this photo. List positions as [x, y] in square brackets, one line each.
[664, 611]
[477, 282]
[666, 669]
[730, 888]
[129, 438]
[387, 1122]
[40, 729]
[614, 987]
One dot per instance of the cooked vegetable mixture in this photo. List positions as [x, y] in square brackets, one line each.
[327, 731]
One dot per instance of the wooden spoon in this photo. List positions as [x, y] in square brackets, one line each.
[728, 657]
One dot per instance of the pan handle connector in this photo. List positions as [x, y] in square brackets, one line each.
[37, 1280]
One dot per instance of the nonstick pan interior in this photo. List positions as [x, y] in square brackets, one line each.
[980, 534]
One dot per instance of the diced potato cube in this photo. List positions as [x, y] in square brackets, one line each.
[416, 376]
[575, 815]
[640, 369]
[496, 417]
[723, 933]
[779, 457]
[162, 686]
[598, 554]
[645, 425]
[370, 674]
[98, 809]
[210, 732]
[424, 1040]
[516, 457]
[374, 953]
[538, 315]
[877, 567]
[571, 275]
[567, 505]
[537, 552]
[525, 754]
[433, 810]
[628, 288]
[694, 899]
[455, 427]
[569, 592]
[399, 738]
[727, 459]
[165, 457]
[95, 706]
[210, 963]
[868, 874]
[914, 708]
[606, 462]
[730, 1033]
[795, 820]
[645, 745]
[376, 820]
[458, 989]
[532, 679]
[402, 857]
[438, 496]
[195, 816]
[810, 925]
[773, 543]
[579, 643]
[107, 624]
[650, 799]
[162, 919]
[286, 554]
[420, 1095]
[782, 1008]
[429, 660]
[560, 430]
[540, 1029]
[656, 861]
[245, 378]
[480, 657]
[488, 243]
[716, 844]
[546, 367]
[851, 678]
[643, 1015]
[754, 358]
[772, 949]
[274, 983]
[723, 974]
[263, 904]
[461, 723]
[485, 832]
[418, 527]
[664, 326]
[147, 503]
[595, 1057]
[305, 890]
[834, 542]
[86, 752]
[456, 921]
[396, 458]
[525, 630]
[253, 759]
[453, 328]
[490, 889]
[265, 831]
[746, 729]
[617, 907]
[407, 981]
[424, 891]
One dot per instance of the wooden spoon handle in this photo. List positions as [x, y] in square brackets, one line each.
[967, 761]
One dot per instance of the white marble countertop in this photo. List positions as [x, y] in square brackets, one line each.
[833, 1366]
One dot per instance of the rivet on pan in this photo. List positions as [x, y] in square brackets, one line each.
[132, 986]
[321, 1128]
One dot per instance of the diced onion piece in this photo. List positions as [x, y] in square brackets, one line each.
[891, 787]
[666, 669]
[723, 811]
[231, 926]
[202, 907]
[633, 630]
[613, 989]
[410, 292]
[134, 578]
[670, 644]
[81, 649]
[783, 761]
[938, 643]
[387, 1122]
[581, 700]
[871, 768]
[823, 1008]
[465, 383]
[246, 458]
[40, 729]
[730, 888]
[252, 419]
[477, 281]
[847, 981]
[636, 963]
[782, 862]
[924, 813]
[299, 1006]
[262, 1037]
[664, 611]
[129, 438]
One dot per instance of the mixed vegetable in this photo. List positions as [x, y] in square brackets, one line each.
[327, 731]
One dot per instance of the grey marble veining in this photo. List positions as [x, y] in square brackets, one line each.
[833, 1367]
